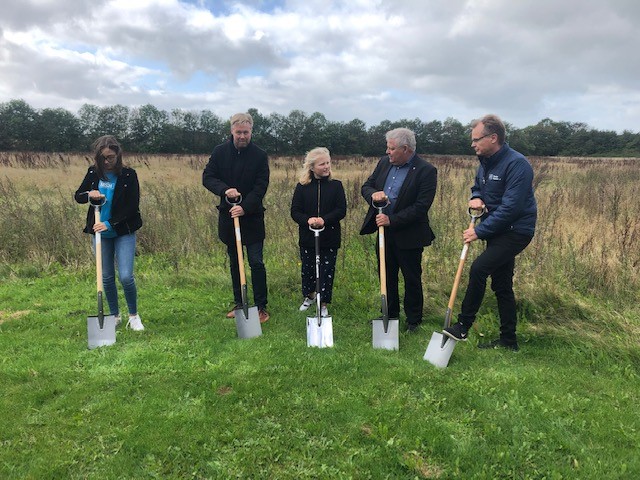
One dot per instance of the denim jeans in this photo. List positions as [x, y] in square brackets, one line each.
[497, 261]
[121, 251]
[258, 274]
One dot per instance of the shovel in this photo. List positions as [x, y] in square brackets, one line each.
[101, 330]
[247, 318]
[319, 328]
[385, 329]
[440, 346]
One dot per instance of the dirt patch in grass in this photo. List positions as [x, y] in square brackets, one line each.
[422, 466]
[7, 316]
[224, 390]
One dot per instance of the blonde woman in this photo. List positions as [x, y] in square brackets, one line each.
[318, 202]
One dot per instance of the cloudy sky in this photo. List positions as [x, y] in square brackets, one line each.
[569, 60]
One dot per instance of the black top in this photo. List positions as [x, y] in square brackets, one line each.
[409, 220]
[125, 211]
[333, 208]
[246, 170]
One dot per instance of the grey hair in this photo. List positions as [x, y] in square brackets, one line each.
[402, 136]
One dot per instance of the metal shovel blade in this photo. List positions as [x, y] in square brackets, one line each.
[248, 327]
[101, 337]
[388, 340]
[320, 336]
[438, 354]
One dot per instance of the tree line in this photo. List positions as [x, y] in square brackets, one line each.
[147, 129]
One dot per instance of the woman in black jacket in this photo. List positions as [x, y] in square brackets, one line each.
[318, 201]
[119, 220]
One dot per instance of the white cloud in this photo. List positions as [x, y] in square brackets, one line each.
[573, 60]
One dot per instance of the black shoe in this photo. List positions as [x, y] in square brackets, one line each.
[412, 327]
[457, 331]
[498, 343]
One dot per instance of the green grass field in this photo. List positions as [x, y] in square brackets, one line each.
[187, 399]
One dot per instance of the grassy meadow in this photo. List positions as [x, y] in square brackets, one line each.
[187, 399]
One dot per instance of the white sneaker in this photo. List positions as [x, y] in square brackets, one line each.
[135, 323]
[118, 320]
[307, 302]
[323, 311]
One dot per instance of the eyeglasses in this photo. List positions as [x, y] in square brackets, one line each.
[476, 140]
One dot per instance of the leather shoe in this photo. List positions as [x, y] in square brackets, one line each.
[232, 312]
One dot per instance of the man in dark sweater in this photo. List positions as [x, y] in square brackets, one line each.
[239, 168]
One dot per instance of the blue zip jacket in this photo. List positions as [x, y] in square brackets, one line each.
[504, 182]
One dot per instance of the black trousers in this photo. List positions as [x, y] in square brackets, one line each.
[497, 261]
[258, 274]
[409, 262]
[328, 258]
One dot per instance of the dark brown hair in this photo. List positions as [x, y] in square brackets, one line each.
[110, 142]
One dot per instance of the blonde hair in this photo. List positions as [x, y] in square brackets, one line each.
[240, 118]
[312, 156]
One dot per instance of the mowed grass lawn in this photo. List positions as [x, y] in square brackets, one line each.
[187, 399]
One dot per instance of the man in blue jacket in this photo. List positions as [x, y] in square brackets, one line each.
[504, 185]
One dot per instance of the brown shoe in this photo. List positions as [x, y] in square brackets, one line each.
[263, 315]
[232, 312]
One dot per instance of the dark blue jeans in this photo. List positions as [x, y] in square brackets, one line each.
[497, 261]
[258, 273]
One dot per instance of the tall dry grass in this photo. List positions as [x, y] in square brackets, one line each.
[587, 239]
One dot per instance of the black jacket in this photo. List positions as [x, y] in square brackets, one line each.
[333, 208]
[247, 170]
[125, 211]
[409, 221]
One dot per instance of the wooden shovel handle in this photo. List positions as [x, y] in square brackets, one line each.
[236, 228]
[463, 257]
[383, 263]
[381, 247]
[98, 237]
